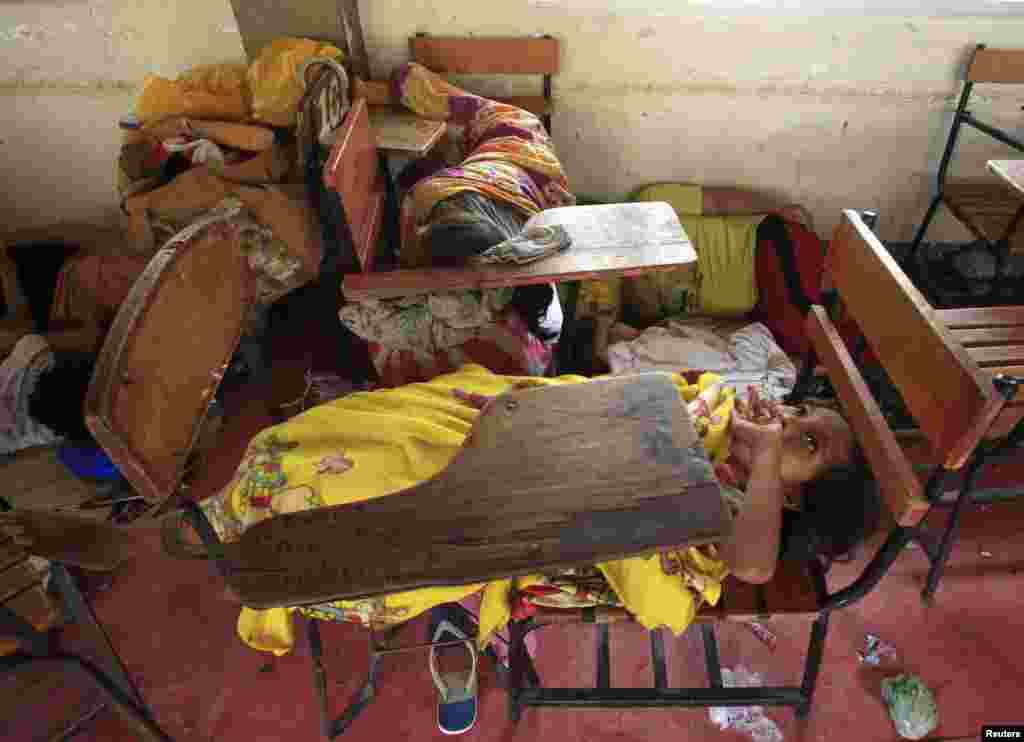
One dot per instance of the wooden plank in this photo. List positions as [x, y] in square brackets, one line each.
[35, 477]
[72, 538]
[997, 65]
[1004, 355]
[986, 208]
[1010, 172]
[1008, 419]
[602, 470]
[963, 319]
[607, 240]
[164, 357]
[486, 56]
[353, 171]
[900, 487]
[10, 552]
[400, 131]
[982, 336]
[16, 578]
[950, 397]
[35, 606]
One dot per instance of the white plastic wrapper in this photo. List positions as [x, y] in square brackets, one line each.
[746, 719]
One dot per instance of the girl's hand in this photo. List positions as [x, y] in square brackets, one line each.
[757, 409]
[756, 430]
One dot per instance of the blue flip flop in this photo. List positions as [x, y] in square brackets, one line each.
[457, 691]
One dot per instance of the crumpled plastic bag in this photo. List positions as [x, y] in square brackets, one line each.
[745, 719]
[274, 81]
[911, 706]
[212, 91]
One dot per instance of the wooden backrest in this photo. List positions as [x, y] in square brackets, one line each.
[900, 487]
[996, 65]
[353, 172]
[486, 56]
[72, 538]
[948, 394]
[165, 355]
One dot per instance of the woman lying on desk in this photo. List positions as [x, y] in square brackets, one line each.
[508, 172]
[806, 497]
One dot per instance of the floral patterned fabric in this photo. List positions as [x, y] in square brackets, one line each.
[372, 444]
[505, 347]
[425, 323]
[508, 156]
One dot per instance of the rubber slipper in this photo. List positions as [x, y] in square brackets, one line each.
[457, 691]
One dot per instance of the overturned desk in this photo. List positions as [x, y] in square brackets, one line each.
[608, 241]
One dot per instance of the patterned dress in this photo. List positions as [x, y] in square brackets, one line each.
[509, 156]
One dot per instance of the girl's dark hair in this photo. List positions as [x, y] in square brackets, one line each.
[838, 511]
[58, 398]
[466, 225]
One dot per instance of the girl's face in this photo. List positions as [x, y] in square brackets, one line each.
[814, 440]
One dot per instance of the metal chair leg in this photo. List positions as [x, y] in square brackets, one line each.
[815, 650]
[131, 712]
[604, 659]
[82, 614]
[909, 259]
[336, 727]
[711, 658]
[938, 566]
[518, 658]
[658, 660]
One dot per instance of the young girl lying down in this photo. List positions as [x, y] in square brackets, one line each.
[793, 475]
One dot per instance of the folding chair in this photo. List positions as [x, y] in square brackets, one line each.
[990, 210]
[957, 371]
[451, 55]
[30, 621]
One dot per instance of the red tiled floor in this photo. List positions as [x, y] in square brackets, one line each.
[175, 630]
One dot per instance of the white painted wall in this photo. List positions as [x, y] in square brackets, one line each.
[829, 111]
[70, 70]
[832, 111]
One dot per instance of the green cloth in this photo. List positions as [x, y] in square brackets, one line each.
[726, 282]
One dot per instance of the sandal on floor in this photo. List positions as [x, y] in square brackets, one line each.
[457, 691]
[172, 538]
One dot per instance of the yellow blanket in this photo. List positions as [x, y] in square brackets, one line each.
[376, 443]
